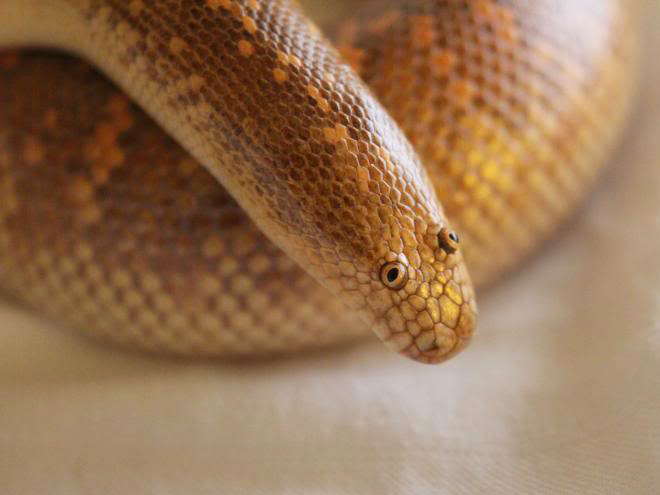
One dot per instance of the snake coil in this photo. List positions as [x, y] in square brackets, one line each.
[288, 194]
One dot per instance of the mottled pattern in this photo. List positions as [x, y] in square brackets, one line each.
[112, 228]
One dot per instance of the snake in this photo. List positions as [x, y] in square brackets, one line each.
[224, 179]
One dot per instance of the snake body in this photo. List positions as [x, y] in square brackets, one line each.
[288, 194]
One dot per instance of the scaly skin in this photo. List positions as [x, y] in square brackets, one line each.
[513, 106]
[110, 227]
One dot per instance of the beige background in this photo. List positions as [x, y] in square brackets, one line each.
[560, 392]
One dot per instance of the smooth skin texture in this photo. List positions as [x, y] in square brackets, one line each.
[303, 215]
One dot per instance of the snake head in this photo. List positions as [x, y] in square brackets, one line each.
[423, 302]
[387, 249]
[415, 292]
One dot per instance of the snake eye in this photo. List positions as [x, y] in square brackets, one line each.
[394, 275]
[448, 240]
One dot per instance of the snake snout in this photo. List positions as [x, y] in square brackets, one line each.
[424, 304]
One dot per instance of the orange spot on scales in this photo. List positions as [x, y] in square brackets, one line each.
[484, 8]
[443, 61]
[422, 31]
[461, 91]
[280, 75]
[245, 48]
[286, 59]
[320, 101]
[336, 134]
[501, 17]
[249, 24]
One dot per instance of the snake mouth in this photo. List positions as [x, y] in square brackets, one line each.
[447, 343]
[431, 344]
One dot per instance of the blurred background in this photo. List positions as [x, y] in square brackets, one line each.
[559, 392]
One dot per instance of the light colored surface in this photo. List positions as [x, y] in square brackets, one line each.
[559, 392]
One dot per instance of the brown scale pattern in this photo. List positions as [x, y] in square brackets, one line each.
[175, 265]
[512, 105]
[130, 239]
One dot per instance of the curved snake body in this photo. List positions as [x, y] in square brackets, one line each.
[326, 223]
